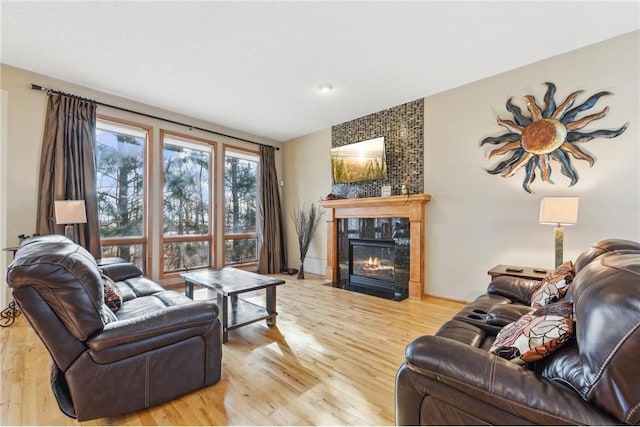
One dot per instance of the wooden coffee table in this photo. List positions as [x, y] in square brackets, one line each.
[228, 283]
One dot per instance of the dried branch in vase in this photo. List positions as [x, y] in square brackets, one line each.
[306, 220]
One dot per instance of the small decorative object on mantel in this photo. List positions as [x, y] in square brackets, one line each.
[405, 185]
[306, 220]
[549, 133]
[385, 191]
[353, 193]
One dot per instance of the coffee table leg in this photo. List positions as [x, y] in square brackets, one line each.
[222, 305]
[271, 306]
[188, 289]
[234, 304]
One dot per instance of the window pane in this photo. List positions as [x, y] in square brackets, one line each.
[240, 179]
[240, 251]
[130, 253]
[120, 179]
[186, 190]
[185, 255]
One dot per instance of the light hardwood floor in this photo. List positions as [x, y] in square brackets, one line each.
[331, 360]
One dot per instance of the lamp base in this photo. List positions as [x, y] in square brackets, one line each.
[559, 233]
[68, 232]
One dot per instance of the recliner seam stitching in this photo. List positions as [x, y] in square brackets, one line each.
[491, 393]
[146, 382]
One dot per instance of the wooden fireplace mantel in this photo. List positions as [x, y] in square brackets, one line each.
[411, 207]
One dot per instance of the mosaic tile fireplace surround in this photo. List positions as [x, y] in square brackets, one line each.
[403, 130]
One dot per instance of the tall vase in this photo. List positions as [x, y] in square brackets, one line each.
[301, 271]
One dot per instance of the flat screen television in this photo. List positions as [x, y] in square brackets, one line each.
[360, 161]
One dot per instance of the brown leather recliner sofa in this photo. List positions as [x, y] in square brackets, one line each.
[594, 379]
[159, 345]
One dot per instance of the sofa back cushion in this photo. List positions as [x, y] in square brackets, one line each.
[602, 247]
[66, 277]
[121, 271]
[514, 288]
[606, 296]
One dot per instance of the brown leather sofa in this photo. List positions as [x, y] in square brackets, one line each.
[452, 379]
[159, 345]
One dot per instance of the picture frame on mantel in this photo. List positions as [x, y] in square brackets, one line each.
[385, 191]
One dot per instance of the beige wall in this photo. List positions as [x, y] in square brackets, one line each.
[307, 179]
[476, 220]
[26, 113]
[4, 297]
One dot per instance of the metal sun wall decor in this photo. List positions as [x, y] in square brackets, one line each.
[550, 133]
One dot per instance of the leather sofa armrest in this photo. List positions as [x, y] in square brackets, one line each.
[514, 288]
[503, 314]
[121, 271]
[130, 337]
[499, 383]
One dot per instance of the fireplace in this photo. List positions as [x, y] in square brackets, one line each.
[395, 218]
[373, 256]
[371, 263]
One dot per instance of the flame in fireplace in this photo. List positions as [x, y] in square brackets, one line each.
[374, 264]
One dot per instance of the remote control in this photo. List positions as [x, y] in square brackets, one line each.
[539, 270]
[514, 270]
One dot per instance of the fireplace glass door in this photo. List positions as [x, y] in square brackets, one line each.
[372, 259]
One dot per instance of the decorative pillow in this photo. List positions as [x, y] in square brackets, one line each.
[112, 297]
[554, 286]
[536, 334]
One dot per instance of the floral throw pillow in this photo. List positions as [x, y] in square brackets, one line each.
[536, 334]
[554, 286]
[112, 297]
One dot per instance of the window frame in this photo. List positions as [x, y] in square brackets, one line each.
[213, 220]
[146, 188]
[237, 236]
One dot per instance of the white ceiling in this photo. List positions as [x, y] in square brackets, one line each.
[256, 66]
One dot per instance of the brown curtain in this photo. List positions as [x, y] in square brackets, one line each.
[68, 167]
[272, 255]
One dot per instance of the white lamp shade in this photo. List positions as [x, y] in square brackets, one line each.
[70, 212]
[559, 210]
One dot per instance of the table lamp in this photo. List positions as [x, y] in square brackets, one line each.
[559, 211]
[70, 212]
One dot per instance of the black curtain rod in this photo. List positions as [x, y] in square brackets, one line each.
[57, 92]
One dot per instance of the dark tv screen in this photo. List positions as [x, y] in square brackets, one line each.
[360, 161]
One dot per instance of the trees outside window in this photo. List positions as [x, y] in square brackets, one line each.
[240, 185]
[183, 199]
[186, 202]
[120, 159]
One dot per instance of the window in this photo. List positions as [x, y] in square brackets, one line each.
[240, 186]
[172, 224]
[121, 176]
[187, 236]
